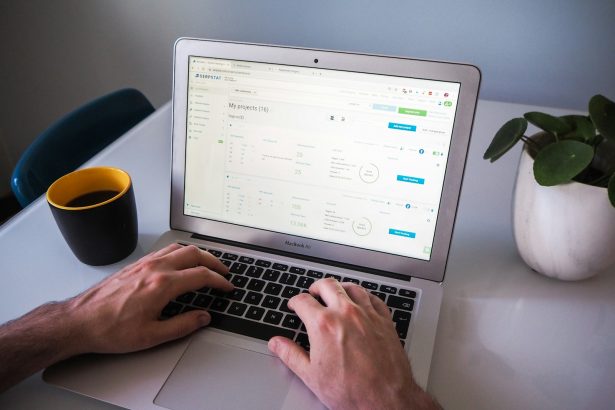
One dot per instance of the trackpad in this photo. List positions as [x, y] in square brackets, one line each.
[215, 376]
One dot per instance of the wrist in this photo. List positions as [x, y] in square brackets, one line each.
[56, 324]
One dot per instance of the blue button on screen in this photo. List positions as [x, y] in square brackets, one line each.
[405, 234]
[412, 180]
[403, 127]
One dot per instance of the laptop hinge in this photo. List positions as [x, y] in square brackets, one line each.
[304, 257]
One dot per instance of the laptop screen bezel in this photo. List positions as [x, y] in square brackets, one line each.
[467, 76]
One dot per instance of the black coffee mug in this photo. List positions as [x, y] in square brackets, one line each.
[96, 212]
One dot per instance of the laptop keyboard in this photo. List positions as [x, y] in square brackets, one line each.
[258, 306]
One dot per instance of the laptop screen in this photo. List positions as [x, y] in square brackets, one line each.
[344, 157]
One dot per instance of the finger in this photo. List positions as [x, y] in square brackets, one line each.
[330, 291]
[291, 354]
[306, 307]
[178, 326]
[380, 306]
[166, 250]
[358, 295]
[191, 256]
[196, 278]
[152, 255]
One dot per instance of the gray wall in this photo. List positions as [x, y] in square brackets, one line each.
[58, 54]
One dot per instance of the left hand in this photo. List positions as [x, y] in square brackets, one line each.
[121, 313]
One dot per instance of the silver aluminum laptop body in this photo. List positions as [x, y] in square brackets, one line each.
[339, 162]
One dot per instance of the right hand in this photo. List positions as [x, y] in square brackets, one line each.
[355, 360]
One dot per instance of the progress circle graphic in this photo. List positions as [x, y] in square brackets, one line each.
[369, 173]
[362, 226]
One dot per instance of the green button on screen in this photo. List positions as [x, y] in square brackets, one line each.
[412, 111]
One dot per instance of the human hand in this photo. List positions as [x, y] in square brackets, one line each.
[121, 313]
[355, 360]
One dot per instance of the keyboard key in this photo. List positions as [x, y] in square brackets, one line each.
[219, 304]
[202, 300]
[305, 282]
[214, 252]
[284, 306]
[291, 322]
[239, 281]
[336, 277]
[227, 263]
[353, 280]
[186, 297]
[369, 285]
[303, 341]
[314, 274]
[254, 271]
[230, 256]
[264, 264]
[280, 266]
[271, 275]
[388, 289]
[273, 288]
[296, 270]
[255, 313]
[407, 293]
[253, 298]
[290, 291]
[273, 317]
[238, 268]
[402, 322]
[381, 295]
[237, 294]
[256, 284]
[400, 303]
[172, 309]
[247, 327]
[237, 308]
[271, 302]
[217, 292]
[246, 259]
[288, 279]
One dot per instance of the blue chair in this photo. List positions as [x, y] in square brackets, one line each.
[74, 139]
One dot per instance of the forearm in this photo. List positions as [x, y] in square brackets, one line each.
[36, 340]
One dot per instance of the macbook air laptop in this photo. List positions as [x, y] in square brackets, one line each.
[292, 165]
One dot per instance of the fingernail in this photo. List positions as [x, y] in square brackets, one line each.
[272, 344]
[204, 319]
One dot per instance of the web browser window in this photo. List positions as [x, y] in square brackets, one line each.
[351, 158]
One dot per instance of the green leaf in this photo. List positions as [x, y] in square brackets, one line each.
[602, 113]
[581, 125]
[611, 189]
[561, 161]
[506, 137]
[604, 158]
[548, 122]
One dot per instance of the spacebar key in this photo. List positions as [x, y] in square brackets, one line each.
[247, 327]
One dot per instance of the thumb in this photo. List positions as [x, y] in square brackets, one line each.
[180, 325]
[291, 354]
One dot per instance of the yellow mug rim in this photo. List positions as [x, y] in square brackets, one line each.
[120, 174]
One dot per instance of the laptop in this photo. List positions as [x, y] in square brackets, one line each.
[292, 165]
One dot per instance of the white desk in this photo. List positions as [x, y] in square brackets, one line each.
[507, 339]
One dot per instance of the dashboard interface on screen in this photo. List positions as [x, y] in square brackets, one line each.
[350, 158]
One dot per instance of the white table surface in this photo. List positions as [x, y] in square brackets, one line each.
[508, 338]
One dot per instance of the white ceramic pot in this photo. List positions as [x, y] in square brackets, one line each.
[565, 231]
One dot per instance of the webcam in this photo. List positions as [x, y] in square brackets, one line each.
[315, 61]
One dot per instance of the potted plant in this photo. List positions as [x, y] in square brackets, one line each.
[564, 202]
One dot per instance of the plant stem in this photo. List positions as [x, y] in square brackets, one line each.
[531, 142]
